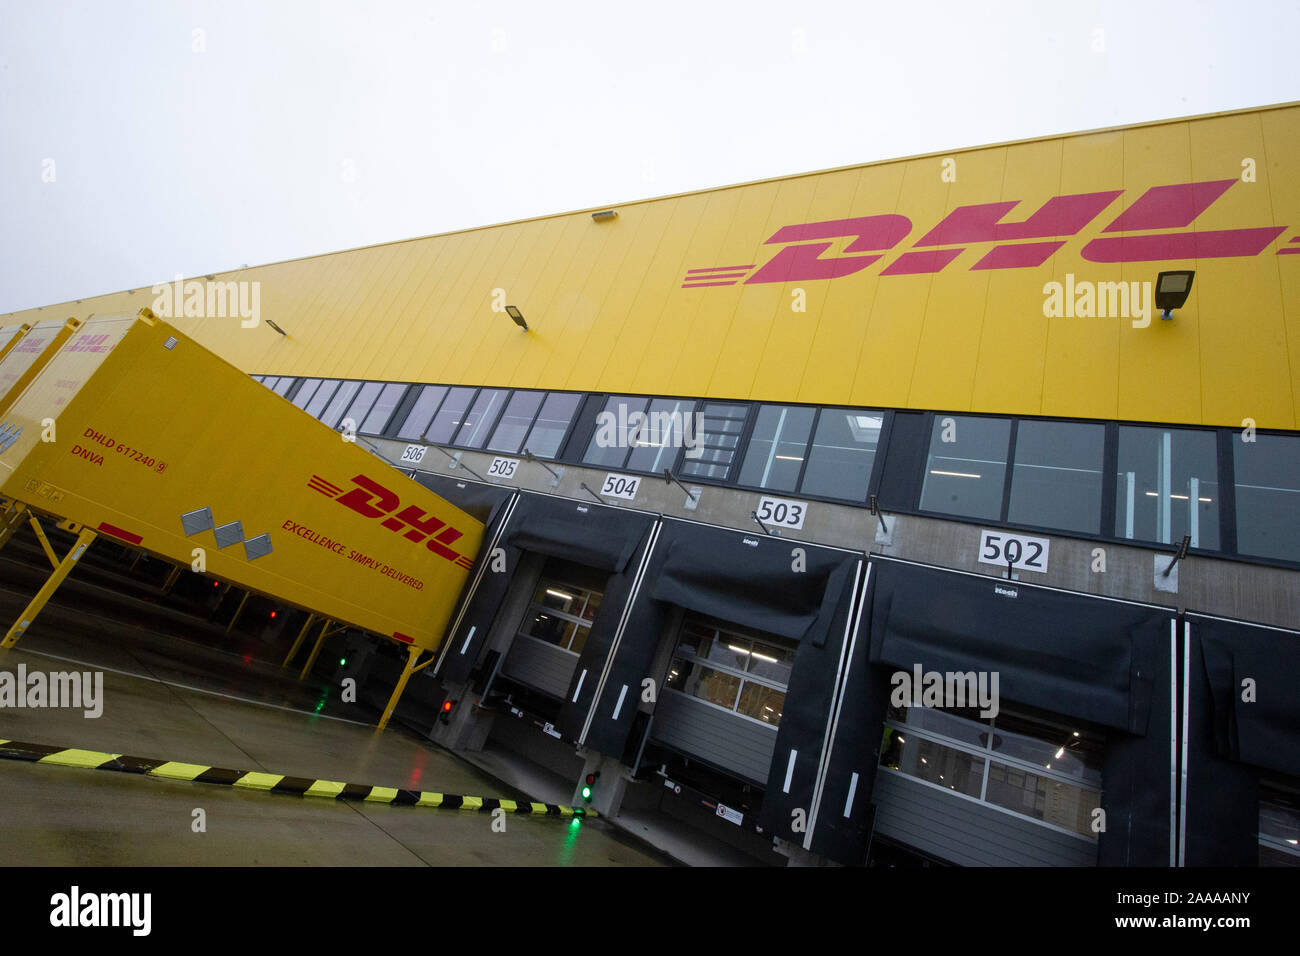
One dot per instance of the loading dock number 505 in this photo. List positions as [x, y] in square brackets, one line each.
[1017, 550]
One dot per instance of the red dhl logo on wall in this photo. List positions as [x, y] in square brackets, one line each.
[1161, 207]
[373, 500]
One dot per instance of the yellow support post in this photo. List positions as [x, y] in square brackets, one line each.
[238, 611]
[412, 652]
[47, 590]
[172, 577]
[9, 522]
[297, 642]
[45, 542]
[311, 658]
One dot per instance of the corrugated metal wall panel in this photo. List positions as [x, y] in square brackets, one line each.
[968, 833]
[609, 307]
[541, 665]
[723, 739]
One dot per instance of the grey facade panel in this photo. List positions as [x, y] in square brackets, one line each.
[717, 737]
[968, 833]
[541, 665]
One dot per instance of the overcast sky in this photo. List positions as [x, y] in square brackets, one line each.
[147, 138]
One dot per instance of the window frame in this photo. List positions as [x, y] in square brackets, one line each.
[989, 756]
[752, 636]
[1227, 549]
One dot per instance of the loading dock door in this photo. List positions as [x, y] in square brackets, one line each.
[803, 594]
[554, 630]
[608, 539]
[1243, 717]
[1093, 661]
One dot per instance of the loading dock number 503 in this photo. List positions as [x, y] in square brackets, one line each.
[782, 511]
[1017, 550]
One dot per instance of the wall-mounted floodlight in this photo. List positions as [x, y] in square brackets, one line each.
[518, 316]
[604, 215]
[1172, 289]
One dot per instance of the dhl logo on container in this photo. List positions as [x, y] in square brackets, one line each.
[372, 500]
[1175, 206]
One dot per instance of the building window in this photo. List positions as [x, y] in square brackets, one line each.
[449, 416]
[341, 400]
[612, 440]
[270, 381]
[304, 395]
[967, 466]
[836, 463]
[1279, 825]
[1032, 765]
[378, 417]
[316, 404]
[561, 614]
[515, 422]
[282, 387]
[480, 418]
[1267, 473]
[552, 424]
[719, 441]
[741, 672]
[777, 448]
[842, 455]
[1167, 486]
[656, 443]
[1056, 476]
[360, 406]
[421, 413]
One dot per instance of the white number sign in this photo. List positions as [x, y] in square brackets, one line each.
[620, 486]
[1017, 550]
[414, 454]
[782, 511]
[503, 467]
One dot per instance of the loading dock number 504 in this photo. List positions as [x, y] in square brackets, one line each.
[620, 486]
[1017, 550]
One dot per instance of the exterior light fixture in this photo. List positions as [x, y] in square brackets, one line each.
[605, 215]
[1172, 289]
[518, 317]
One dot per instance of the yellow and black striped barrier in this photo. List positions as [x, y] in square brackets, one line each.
[274, 782]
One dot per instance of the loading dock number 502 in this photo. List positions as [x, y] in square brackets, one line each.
[1017, 550]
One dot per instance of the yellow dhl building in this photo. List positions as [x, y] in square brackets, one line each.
[914, 283]
[920, 374]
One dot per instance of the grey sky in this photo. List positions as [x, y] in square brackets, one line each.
[285, 129]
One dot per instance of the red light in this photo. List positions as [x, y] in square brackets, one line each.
[591, 779]
[446, 707]
[273, 615]
[216, 584]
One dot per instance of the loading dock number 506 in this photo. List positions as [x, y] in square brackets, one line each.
[1016, 550]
